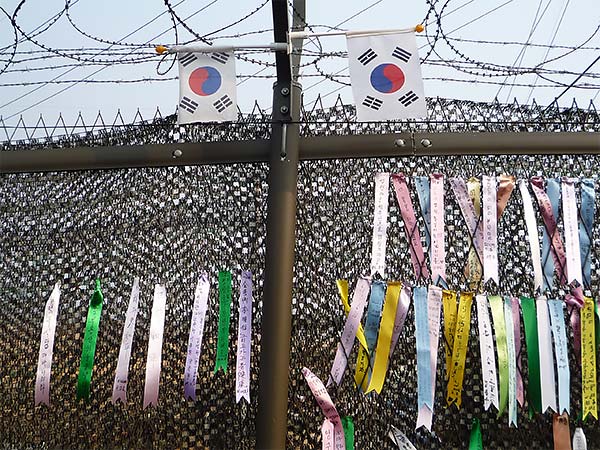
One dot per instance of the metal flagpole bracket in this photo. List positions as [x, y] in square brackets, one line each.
[305, 34]
[194, 48]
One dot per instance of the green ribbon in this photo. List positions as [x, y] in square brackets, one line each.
[533, 355]
[476, 440]
[348, 425]
[89, 343]
[224, 313]
[497, 306]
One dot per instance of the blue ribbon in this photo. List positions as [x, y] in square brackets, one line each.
[422, 184]
[559, 332]
[374, 314]
[588, 199]
[425, 394]
[553, 191]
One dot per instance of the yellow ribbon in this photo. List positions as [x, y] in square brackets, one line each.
[362, 359]
[386, 328]
[450, 311]
[459, 353]
[497, 306]
[588, 360]
[474, 269]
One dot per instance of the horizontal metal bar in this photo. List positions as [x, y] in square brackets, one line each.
[119, 157]
[321, 147]
[448, 144]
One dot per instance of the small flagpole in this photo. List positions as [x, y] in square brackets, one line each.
[304, 34]
[274, 47]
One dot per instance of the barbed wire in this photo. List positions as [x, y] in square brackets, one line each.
[122, 52]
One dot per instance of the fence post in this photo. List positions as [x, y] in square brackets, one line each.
[271, 420]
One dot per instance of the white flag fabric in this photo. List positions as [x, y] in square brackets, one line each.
[385, 73]
[207, 91]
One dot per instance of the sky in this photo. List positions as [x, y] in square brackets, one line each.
[498, 21]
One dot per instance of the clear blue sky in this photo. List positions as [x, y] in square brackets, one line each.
[112, 20]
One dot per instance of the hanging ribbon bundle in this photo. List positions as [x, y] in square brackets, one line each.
[427, 301]
[359, 300]
[362, 359]
[384, 341]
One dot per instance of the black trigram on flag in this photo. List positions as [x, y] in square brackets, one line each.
[188, 104]
[223, 103]
[401, 54]
[220, 57]
[372, 102]
[187, 59]
[408, 98]
[367, 57]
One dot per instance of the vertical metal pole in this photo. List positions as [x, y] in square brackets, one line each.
[271, 421]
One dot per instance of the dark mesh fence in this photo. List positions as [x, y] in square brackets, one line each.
[166, 225]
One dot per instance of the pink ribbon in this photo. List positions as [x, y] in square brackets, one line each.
[154, 360]
[468, 211]
[490, 230]
[557, 248]
[332, 439]
[410, 224]
[438, 251]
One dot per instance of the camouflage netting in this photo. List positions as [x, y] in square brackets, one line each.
[166, 225]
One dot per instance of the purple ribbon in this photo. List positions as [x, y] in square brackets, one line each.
[242, 374]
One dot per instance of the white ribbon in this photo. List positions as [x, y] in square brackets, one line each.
[194, 348]
[512, 363]
[434, 308]
[121, 374]
[438, 251]
[579, 441]
[547, 379]
[532, 231]
[557, 321]
[400, 439]
[357, 309]
[488, 357]
[572, 250]
[490, 230]
[154, 359]
[382, 188]
[44, 367]
[242, 374]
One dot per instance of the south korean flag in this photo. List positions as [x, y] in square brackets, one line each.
[385, 73]
[207, 91]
